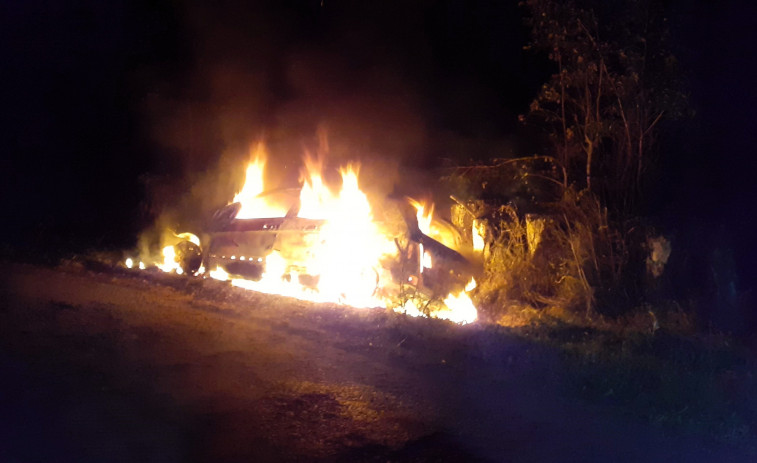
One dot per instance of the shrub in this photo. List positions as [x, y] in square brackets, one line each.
[569, 258]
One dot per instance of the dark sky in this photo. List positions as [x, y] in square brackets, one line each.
[710, 160]
[105, 103]
[101, 98]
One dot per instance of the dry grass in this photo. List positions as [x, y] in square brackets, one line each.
[567, 260]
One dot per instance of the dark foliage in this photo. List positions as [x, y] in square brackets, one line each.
[615, 81]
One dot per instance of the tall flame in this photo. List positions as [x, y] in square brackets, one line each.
[253, 205]
[478, 231]
[424, 215]
[345, 259]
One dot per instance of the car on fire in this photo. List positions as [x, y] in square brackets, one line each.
[243, 246]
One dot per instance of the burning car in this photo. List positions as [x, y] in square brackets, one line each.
[243, 246]
[323, 245]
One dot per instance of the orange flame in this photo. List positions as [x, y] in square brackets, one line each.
[253, 205]
[424, 216]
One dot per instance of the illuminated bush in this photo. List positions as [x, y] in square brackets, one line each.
[566, 259]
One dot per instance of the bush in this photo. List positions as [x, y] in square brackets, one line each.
[570, 259]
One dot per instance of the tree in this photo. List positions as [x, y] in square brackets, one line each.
[615, 81]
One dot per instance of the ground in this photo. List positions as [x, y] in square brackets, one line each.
[106, 364]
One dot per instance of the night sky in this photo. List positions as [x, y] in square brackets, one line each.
[107, 103]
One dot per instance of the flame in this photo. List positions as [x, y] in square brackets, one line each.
[352, 245]
[219, 274]
[429, 225]
[347, 251]
[409, 308]
[424, 216]
[460, 309]
[189, 237]
[344, 262]
[169, 264]
[316, 200]
[460, 306]
[478, 233]
[253, 205]
[426, 262]
[170, 261]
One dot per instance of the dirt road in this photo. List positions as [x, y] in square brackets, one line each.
[122, 366]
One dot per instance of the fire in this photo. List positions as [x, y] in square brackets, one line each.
[170, 261]
[352, 245]
[169, 264]
[347, 253]
[189, 237]
[430, 226]
[478, 232]
[254, 205]
[424, 215]
[426, 261]
[345, 256]
[219, 274]
[461, 309]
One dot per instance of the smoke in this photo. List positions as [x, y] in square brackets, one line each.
[288, 72]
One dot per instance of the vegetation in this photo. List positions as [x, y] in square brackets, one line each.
[563, 230]
[699, 384]
[615, 81]
[549, 247]
[569, 258]
[565, 259]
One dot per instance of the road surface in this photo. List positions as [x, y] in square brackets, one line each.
[124, 366]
